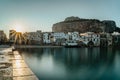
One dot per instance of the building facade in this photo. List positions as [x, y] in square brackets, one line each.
[33, 37]
[46, 38]
[90, 39]
[106, 39]
[116, 39]
[3, 37]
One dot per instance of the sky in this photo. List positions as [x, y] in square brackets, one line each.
[32, 15]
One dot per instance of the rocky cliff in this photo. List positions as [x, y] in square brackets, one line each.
[71, 24]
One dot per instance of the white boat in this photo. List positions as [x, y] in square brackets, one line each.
[71, 44]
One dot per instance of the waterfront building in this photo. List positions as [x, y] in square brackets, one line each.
[90, 38]
[33, 37]
[11, 36]
[116, 38]
[3, 37]
[109, 39]
[59, 38]
[74, 36]
[103, 39]
[72, 39]
[106, 39]
[46, 37]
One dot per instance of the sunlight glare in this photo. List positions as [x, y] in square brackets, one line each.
[19, 28]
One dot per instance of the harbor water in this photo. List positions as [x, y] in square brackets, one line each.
[73, 63]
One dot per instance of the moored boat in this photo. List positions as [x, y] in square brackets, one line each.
[71, 44]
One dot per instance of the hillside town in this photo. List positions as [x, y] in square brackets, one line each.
[61, 38]
[73, 31]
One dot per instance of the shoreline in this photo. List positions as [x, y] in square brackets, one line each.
[50, 46]
[37, 46]
[14, 67]
[19, 65]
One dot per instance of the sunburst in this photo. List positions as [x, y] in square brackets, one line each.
[17, 36]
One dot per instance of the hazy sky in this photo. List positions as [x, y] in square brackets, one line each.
[35, 15]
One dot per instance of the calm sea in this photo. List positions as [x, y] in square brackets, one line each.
[73, 63]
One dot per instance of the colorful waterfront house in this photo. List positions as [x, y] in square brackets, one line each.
[90, 38]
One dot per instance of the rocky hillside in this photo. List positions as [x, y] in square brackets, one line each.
[71, 24]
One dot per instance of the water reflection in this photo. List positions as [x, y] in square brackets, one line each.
[73, 63]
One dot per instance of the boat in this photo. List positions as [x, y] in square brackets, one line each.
[71, 44]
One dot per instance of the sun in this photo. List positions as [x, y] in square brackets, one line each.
[18, 28]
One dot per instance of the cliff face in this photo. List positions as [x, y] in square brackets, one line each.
[110, 26]
[71, 24]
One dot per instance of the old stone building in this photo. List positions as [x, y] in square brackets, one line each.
[33, 37]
